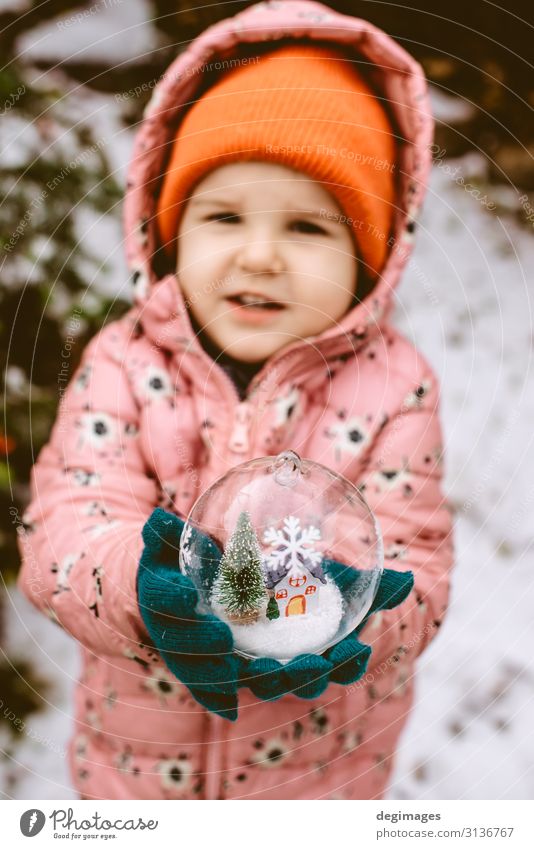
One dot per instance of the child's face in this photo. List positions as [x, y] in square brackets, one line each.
[273, 244]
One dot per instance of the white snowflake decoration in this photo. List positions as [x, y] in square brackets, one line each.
[292, 545]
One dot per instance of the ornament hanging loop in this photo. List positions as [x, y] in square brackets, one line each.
[287, 468]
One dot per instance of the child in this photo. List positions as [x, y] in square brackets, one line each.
[282, 161]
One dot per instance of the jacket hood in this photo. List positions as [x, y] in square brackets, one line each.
[395, 75]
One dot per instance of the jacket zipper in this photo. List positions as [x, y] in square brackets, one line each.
[214, 758]
[239, 442]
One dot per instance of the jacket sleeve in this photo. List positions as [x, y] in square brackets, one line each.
[402, 485]
[80, 540]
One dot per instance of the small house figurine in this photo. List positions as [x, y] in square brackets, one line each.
[297, 591]
[293, 570]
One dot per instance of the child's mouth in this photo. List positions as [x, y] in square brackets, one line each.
[255, 302]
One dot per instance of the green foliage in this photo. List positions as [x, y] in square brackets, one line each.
[241, 586]
[54, 169]
[23, 693]
[58, 167]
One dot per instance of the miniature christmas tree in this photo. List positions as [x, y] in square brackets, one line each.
[240, 586]
[272, 611]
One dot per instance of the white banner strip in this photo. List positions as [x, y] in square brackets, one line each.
[308, 824]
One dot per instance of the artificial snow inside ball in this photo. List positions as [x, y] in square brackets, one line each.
[286, 552]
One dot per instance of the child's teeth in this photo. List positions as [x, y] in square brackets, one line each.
[253, 300]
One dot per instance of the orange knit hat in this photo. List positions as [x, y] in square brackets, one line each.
[304, 106]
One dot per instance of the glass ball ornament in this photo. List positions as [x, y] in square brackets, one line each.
[286, 552]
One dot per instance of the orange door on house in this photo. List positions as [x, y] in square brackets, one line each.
[296, 606]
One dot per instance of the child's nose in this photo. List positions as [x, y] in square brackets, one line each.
[260, 254]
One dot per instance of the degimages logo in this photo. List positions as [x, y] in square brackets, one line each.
[32, 822]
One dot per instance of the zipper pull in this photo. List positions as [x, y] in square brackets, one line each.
[239, 441]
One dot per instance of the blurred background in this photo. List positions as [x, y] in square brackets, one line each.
[74, 83]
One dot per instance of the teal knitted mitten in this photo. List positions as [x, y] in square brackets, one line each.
[198, 648]
[348, 655]
[308, 675]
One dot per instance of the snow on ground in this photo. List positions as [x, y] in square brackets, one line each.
[465, 302]
[449, 109]
[91, 34]
[14, 5]
[37, 766]
[101, 235]
[102, 29]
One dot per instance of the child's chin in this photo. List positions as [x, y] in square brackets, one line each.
[254, 350]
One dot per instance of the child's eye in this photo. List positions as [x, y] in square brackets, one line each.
[224, 217]
[301, 226]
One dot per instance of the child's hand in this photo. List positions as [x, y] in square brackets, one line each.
[393, 589]
[308, 675]
[198, 648]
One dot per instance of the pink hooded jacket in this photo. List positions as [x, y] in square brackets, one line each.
[149, 418]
